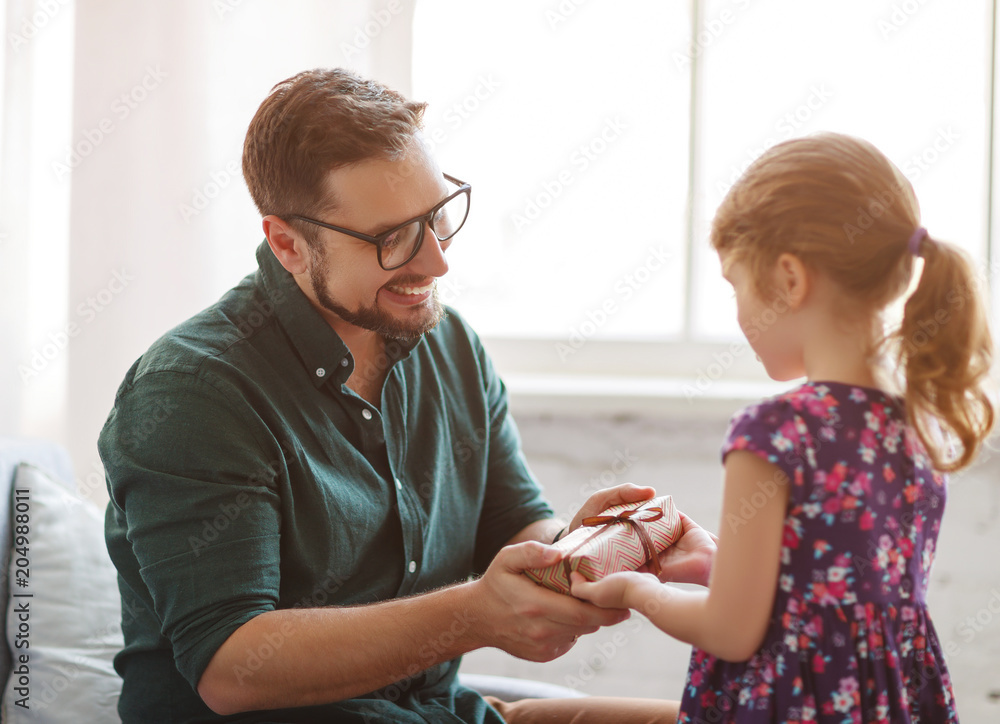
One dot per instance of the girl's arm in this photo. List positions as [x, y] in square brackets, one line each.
[731, 618]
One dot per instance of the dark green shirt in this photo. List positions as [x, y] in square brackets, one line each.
[245, 476]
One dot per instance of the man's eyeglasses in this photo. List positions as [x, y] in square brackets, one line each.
[397, 246]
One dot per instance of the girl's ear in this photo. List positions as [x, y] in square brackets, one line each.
[791, 279]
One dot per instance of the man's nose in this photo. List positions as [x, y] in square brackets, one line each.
[430, 260]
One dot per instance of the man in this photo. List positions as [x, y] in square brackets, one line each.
[333, 459]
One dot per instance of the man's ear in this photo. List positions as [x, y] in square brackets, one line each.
[287, 245]
[791, 279]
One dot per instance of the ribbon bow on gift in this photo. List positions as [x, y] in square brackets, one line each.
[628, 517]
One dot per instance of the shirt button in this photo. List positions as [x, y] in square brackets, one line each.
[413, 566]
[366, 413]
[320, 372]
[344, 362]
[399, 485]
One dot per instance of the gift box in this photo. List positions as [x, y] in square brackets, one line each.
[622, 538]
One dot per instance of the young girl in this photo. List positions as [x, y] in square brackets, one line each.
[816, 608]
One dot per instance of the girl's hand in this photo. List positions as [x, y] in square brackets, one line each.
[690, 559]
[612, 591]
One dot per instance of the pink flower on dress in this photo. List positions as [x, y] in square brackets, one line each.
[842, 702]
[836, 477]
[836, 590]
[821, 404]
[868, 445]
[783, 439]
[790, 538]
[849, 685]
[862, 484]
[892, 436]
[906, 547]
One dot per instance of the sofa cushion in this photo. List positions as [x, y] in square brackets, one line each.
[14, 451]
[64, 612]
[507, 689]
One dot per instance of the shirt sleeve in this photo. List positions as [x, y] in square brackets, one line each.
[190, 469]
[513, 499]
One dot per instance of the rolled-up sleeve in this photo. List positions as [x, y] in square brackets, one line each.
[191, 473]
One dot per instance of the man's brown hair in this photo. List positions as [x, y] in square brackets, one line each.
[314, 122]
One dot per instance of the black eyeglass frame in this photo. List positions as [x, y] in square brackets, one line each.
[424, 219]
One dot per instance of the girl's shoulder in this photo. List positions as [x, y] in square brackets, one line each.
[823, 400]
[813, 410]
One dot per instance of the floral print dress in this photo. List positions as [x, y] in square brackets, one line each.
[850, 638]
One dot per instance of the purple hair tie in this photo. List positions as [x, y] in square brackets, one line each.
[914, 243]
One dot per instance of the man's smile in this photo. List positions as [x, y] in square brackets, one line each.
[410, 289]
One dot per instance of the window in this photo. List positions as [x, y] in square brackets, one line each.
[600, 137]
[574, 131]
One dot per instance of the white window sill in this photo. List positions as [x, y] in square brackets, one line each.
[692, 380]
[651, 396]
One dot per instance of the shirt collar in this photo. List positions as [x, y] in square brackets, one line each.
[321, 349]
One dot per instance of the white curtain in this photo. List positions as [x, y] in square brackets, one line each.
[35, 121]
[123, 207]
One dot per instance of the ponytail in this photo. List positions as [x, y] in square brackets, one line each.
[843, 208]
[945, 353]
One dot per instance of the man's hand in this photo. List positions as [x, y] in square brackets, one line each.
[604, 499]
[690, 559]
[525, 619]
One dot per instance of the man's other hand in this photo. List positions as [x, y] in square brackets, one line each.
[526, 620]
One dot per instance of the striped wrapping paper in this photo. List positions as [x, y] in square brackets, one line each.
[615, 547]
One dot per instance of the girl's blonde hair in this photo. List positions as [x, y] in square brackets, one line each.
[839, 205]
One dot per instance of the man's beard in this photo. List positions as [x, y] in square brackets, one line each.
[372, 317]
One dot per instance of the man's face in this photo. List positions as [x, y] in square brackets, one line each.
[346, 279]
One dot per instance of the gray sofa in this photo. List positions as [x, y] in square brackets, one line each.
[13, 452]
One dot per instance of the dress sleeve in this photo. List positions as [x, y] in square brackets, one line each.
[190, 470]
[513, 498]
[774, 431]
